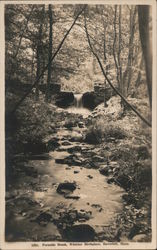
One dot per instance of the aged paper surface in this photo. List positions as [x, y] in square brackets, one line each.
[9, 239]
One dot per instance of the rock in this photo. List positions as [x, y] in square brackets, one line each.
[70, 160]
[74, 149]
[81, 125]
[98, 158]
[124, 181]
[88, 100]
[68, 168]
[113, 164]
[43, 218]
[82, 220]
[104, 170]
[73, 197]
[92, 138]
[82, 214]
[66, 187]
[69, 125]
[52, 144]
[60, 161]
[61, 149]
[96, 205]
[76, 171]
[139, 237]
[64, 99]
[110, 180]
[76, 138]
[135, 230]
[66, 143]
[79, 233]
[90, 176]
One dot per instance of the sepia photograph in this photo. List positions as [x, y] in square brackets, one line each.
[79, 124]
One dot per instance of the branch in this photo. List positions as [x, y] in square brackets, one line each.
[104, 73]
[46, 67]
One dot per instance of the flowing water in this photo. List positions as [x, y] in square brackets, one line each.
[78, 106]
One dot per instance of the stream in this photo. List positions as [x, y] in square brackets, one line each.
[42, 208]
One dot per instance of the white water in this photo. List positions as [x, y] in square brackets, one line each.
[78, 106]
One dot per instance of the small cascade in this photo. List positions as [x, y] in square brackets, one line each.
[78, 100]
[77, 107]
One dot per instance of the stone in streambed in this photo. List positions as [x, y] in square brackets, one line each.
[73, 197]
[90, 176]
[97, 158]
[104, 170]
[68, 168]
[66, 143]
[74, 149]
[52, 144]
[66, 187]
[70, 160]
[43, 219]
[81, 125]
[76, 171]
[79, 233]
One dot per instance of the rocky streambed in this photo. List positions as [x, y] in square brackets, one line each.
[61, 195]
[76, 190]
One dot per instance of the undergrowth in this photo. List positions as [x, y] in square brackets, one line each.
[100, 131]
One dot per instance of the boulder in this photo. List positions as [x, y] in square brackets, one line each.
[79, 233]
[64, 99]
[66, 187]
[88, 100]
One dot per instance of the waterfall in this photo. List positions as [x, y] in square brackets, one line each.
[78, 100]
[77, 107]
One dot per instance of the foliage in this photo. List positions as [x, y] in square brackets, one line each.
[74, 65]
[34, 121]
[102, 131]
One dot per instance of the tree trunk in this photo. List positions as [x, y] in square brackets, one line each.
[139, 73]
[143, 16]
[119, 51]
[131, 40]
[48, 94]
[114, 46]
[38, 55]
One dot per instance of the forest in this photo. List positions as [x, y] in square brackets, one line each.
[78, 114]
